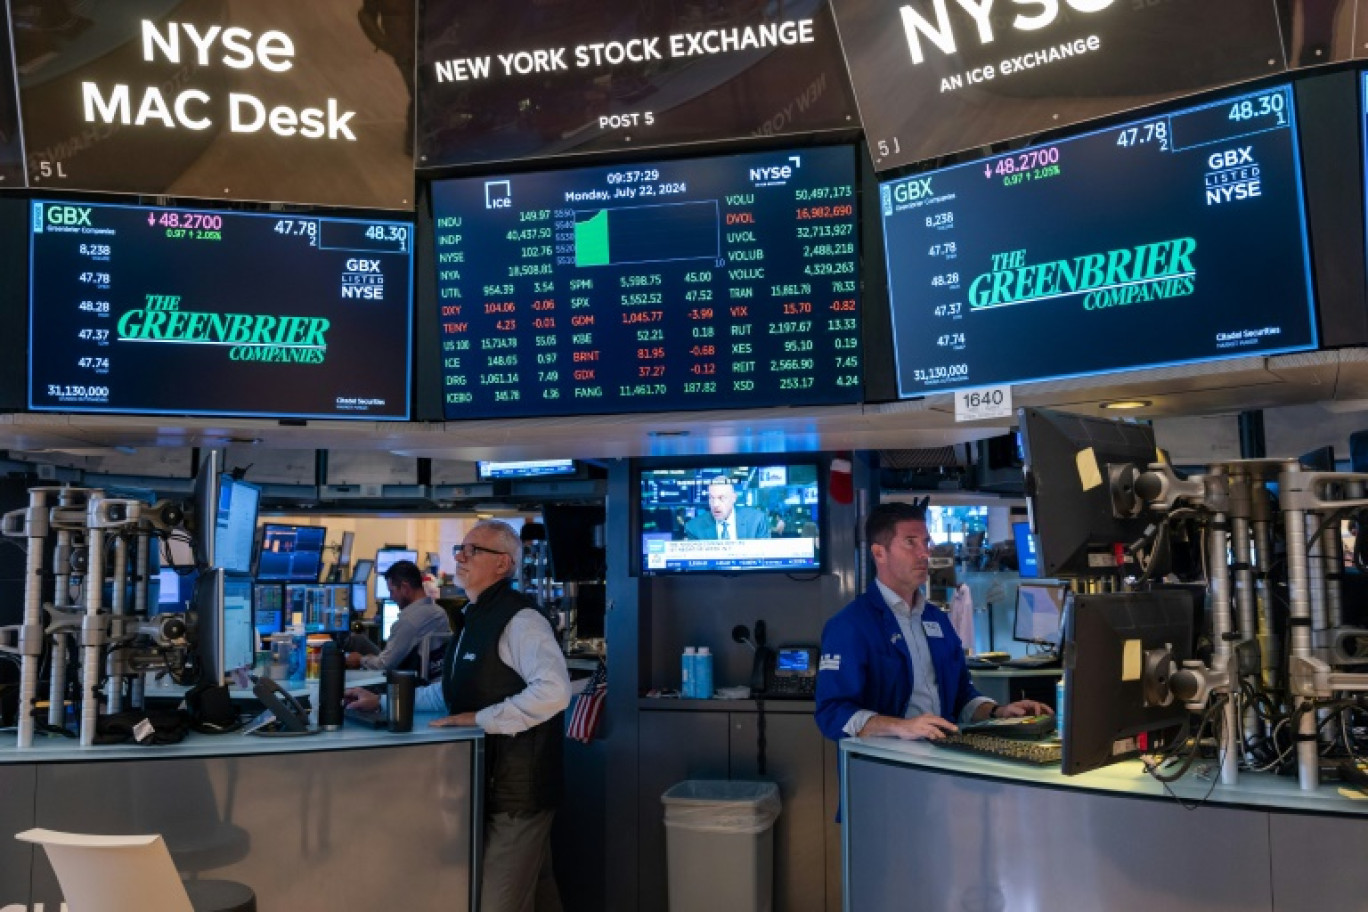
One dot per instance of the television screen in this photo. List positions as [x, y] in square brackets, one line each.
[535, 468]
[291, 554]
[723, 282]
[145, 310]
[1152, 229]
[235, 527]
[281, 102]
[498, 82]
[934, 77]
[730, 518]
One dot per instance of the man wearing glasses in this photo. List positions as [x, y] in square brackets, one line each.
[507, 675]
[419, 616]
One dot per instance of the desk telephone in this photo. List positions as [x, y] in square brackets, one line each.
[786, 673]
[291, 716]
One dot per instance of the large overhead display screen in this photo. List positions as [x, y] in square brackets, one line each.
[137, 309]
[712, 283]
[505, 81]
[1173, 239]
[257, 100]
[939, 76]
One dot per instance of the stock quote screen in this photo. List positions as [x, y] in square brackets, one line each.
[1173, 239]
[136, 309]
[727, 282]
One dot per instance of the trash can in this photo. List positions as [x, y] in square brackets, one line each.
[719, 845]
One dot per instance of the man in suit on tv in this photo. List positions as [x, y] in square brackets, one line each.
[724, 519]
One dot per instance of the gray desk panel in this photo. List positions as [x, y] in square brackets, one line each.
[1318, 863]
[16, 815]
[931, 840]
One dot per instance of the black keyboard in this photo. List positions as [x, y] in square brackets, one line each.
[1040, 660]
[1040, 753]
[1033, 727]
[373, 718]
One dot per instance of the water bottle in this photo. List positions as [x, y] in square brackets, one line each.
[690, 686]
[1059, 706]
[703, 677]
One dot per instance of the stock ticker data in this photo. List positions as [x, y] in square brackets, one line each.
[725, 282]
[1173, 239]
[139, 309]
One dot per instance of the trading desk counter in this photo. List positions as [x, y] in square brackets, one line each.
[932, 828]
[356, 819]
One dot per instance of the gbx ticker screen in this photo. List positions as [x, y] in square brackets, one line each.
[141, 309]
[1174, 239]
[723, 282]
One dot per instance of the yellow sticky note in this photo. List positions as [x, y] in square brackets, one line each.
[1089, 473]
[1132, 660]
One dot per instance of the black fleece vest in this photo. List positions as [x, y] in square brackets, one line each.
[523, 772]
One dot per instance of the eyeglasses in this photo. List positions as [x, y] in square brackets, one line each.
[469, 550]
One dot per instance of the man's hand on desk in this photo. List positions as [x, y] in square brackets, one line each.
[361, 699]
[1015, 710]
[456, 721]
[925, 727]
[353, 660]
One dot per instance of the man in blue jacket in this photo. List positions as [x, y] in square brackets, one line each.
[891, 662]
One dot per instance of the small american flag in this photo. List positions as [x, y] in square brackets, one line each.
[584, 718]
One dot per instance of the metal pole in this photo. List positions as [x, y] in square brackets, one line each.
[1218, 538]
[31, 632]
[1299, 630]
[92, 626]
[114, 662]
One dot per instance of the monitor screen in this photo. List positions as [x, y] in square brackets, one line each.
[764, 516]
[287, 102]
[268, 606]
[291, 554]
[1028, 561]
[1067, 467]
[384, 559]
[147, 310]
[169, 590]
[535, 468]
[1108, 716]
[389, 613]
[498, 82]
[223, 630]
[363, 569]
[323, 607]
[1153, 226]
[1039, 607]
[726, 282]
[235, 525]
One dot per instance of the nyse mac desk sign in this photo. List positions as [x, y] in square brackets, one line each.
[261, 100]
[137, 309]
[939, 76]
[504, 81]
[1174, 239]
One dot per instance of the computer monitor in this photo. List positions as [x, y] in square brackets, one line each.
[321, 607]
[389, 613]
[1039, 612]
[1028, 559]
[168, 590]
[1114, 701]
[268, 608]
[223, 623]
[203, 519]
[291, 554]
[384, 559]
[361, 573]
[235, 524]
[1069, 459]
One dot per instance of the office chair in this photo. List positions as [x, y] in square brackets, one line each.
[130, 874]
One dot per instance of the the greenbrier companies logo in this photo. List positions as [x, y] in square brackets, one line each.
[1132, 275]
[250, 337]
